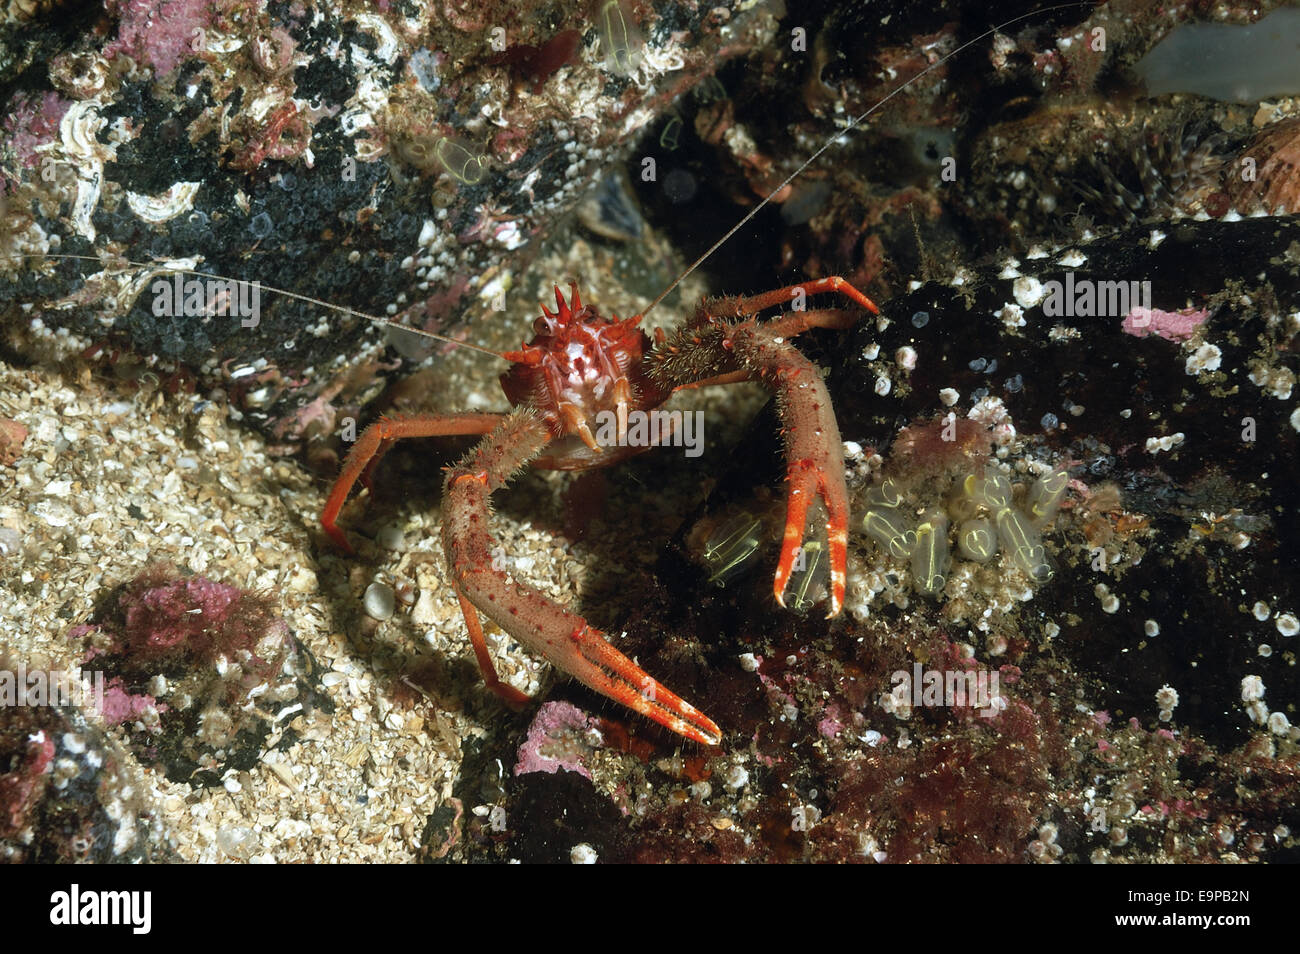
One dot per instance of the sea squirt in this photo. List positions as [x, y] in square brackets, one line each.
[888, 528]
[728, 550]
[988, 520]
[931, 556]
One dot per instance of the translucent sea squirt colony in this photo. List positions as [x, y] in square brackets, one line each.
[979, 516]
[986, 518]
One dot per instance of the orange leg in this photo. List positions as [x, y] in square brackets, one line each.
[375, 441]
[813, 451]
[806, 479]
[797, 322]
[731, 377]
[535, 622]
[509, 693]
[779, 296]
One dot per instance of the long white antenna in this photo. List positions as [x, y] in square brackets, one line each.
[343, 309]
[857, 121]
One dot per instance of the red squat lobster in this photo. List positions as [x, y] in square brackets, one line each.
[580, 364]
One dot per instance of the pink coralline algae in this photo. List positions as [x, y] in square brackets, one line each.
[33, 121]
[22, 788]
[1170, 325]
[559, 738]
[122, 706]
[168, 620]
[158, 33]
[833, 722]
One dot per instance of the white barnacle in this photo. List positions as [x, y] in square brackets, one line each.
[1155, 445]
[735, 778]
[1252, 689]
[1011, 316]
[1028, 291]
[1207, 357]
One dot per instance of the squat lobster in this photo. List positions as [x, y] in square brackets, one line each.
[578, 365]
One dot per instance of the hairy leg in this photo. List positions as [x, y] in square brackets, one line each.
[715, 348]
[375, 441]
[551, 631]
